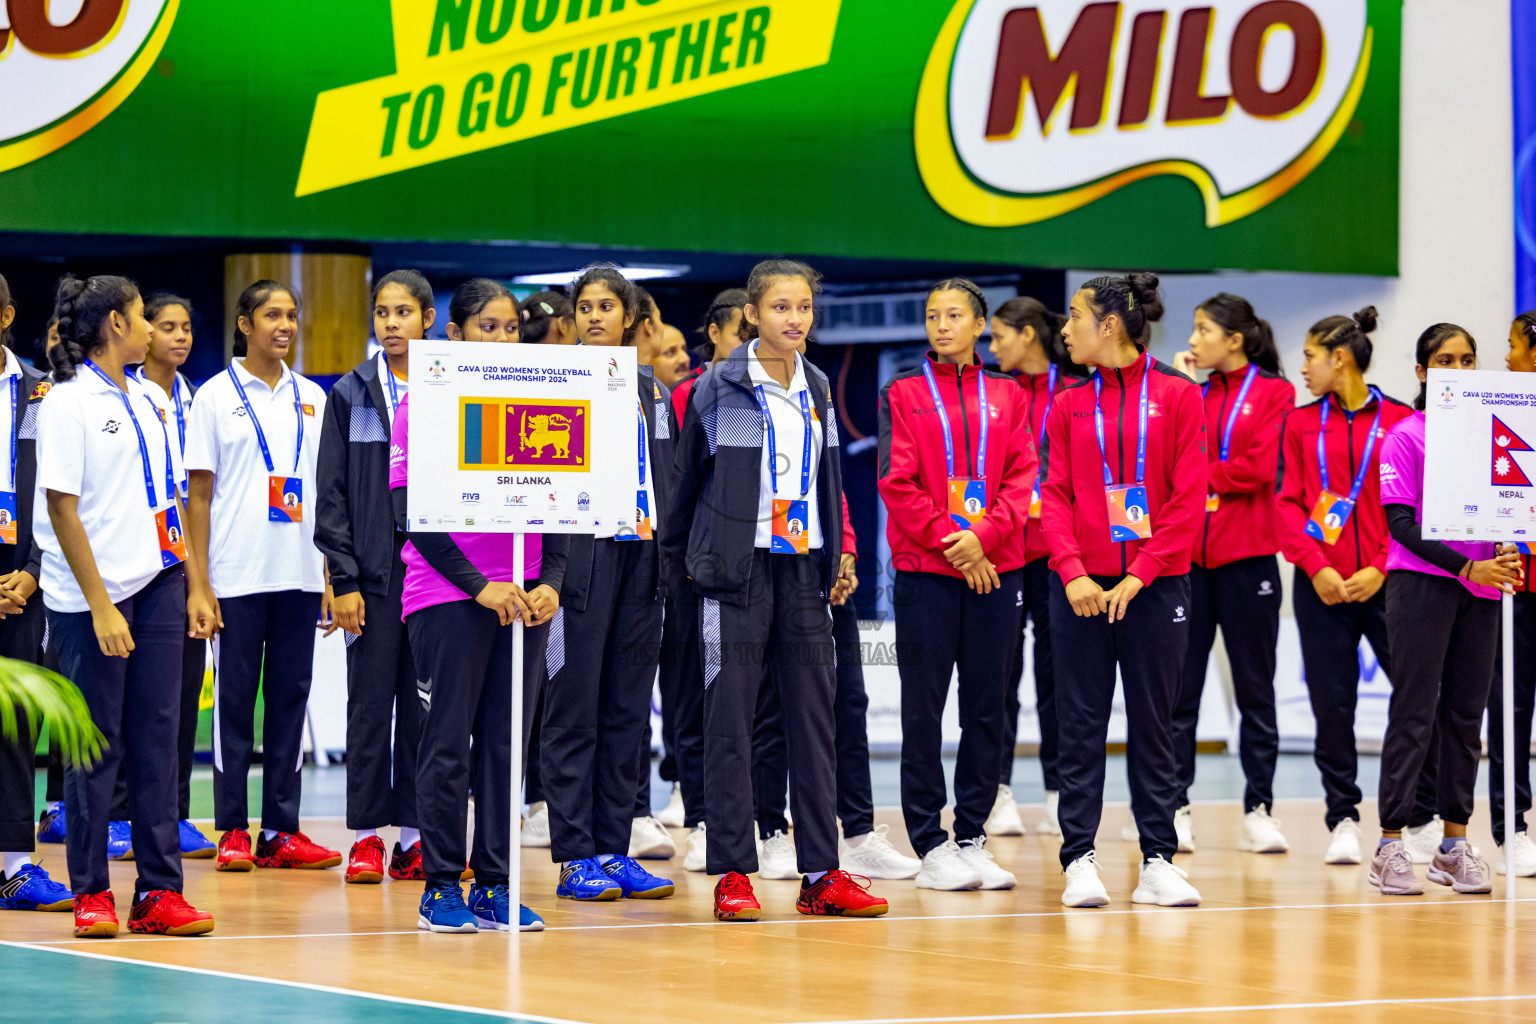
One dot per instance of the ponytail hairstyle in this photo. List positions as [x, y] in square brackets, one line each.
[1133, 298]
[252, 299]
[972, 293]
[1021, 311]
[411, 281]
[539, 312]
[1234, 314]
[762, 278]
[718, 315]
[159, 302]
[474, 295]
[1429, 343]
[82, 308]
[5, 300]
[1341, 331]
[645, 309]
[1527, 323]
[623, 288]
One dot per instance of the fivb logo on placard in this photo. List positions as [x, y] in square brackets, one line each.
[67, 64]
[1028, 111]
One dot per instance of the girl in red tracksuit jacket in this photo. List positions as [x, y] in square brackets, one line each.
[1125, 482]
[1026, 339]
[1339, 545]
[957, 467]
[1235, 581]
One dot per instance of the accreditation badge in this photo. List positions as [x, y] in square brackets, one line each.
[1129, 516]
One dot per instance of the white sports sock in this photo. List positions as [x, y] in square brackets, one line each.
[409, 837]
[815, 876]
[604, 858]
[55, 806]
[854, 842]
[365, 833]
[267, 834]
[14, 862]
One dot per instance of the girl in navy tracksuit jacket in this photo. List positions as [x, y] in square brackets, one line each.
[1125, 484]
[757, 524]
[1235, 579]
[957, 466]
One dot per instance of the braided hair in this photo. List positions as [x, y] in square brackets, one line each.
[82, 308]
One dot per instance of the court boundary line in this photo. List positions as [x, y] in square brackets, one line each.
[810, 920]
[1148, 1012]
[480, 1011]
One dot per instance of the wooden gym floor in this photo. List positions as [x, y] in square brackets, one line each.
[1278, 938]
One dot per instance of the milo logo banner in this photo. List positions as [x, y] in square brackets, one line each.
[1259, 134]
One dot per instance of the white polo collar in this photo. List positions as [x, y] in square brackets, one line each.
[247, 377]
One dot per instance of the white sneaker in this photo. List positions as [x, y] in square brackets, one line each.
[776, 857]
[1344, 847]
[873, 856]
[1525, 857]
[1423, 842]
[1184, 828]
[1130, 833]
[1050, 825]
[672, 815]
[943, 868]
[1163, 883]
[694, 859]
[536, 825]
[1084, 889]
[649, 840]
[1261, 833]
[975, 854]
[1004, 819]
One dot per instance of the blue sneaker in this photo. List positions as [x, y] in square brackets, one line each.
[194, 844]
[586, 880]
[528, 921]
[119, 840]
[50, 826]
[443, 910]
[489, 905]
[31, 889]
[636, 882]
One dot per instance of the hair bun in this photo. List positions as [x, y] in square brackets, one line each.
[1143, 287]
[1366, 319]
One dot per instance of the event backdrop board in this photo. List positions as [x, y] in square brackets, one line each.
[1222, 134]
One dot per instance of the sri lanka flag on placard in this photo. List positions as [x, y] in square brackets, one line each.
[1506, 471]
[482, 433]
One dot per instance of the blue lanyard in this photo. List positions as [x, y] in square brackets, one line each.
[261, 438]
[949, 441]
[394, 395]
[181, 416]
[15, 427]
[773, 447]
[1365, 458]
[1141, 425]
[149, 476]
[640, 412]
[1237, 409]
[1050, 397]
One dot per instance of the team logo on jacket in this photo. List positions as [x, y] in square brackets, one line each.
[553, 435]
[1030, 110]
[64, 68]
[1506, 471]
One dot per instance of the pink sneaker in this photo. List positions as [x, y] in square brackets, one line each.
[1392, 871]
[1461, 869]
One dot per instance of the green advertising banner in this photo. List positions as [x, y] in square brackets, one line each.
[1183, 136]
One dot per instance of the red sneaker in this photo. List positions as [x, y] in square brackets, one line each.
[366, 862]
[235, 851]
[95, 916]
[165, 912]
[295, 850]
[405, 865]
[840, 894]
[734, 900]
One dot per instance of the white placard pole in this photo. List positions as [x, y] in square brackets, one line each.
[1507, 610]
[514, 856]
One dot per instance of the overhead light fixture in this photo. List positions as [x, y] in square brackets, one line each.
[561, 278]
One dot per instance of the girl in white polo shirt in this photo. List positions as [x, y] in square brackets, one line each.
[251, 448]
[119, 591]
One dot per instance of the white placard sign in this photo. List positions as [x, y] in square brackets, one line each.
[1480, 456]
[521, 438]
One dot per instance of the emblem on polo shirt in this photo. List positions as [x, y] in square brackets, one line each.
[111, 427]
